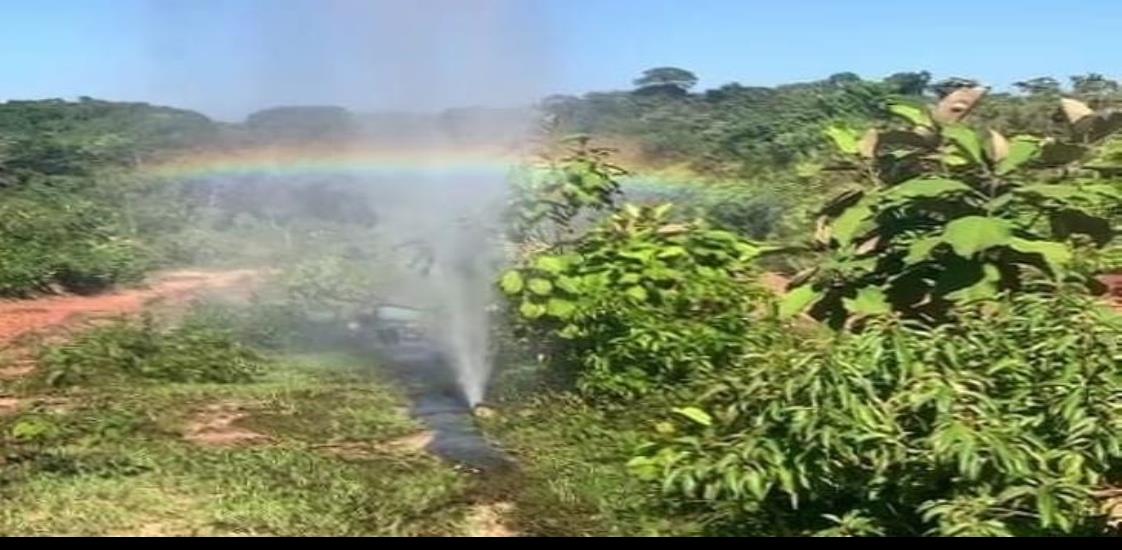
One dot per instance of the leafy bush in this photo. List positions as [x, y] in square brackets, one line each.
[639, 302]
[192, 352]
[48, 239]
[1003, 423]
[331, 285]
[943, 216]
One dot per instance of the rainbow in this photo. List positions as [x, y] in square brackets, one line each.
[311, 161]
[378, 162]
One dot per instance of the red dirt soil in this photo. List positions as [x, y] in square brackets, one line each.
[20, 318]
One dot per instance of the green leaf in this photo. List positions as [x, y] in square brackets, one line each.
[844, 138]
[920, 250]
[530, 310]
[671, 251]
[870, 300]
[1021, 150]
[1053, 153]
[550, 264]
[847, 225]
[966, 140]
[915, 114]
[541, 287]
[984, 289]
[972, 234]
[1057, 255]
[637, 292]
[1049, 190]
[797, 301]
[955, 159]
[561, 309]
[927, 188]
[511, 282]
[697, 415]
[568, 284]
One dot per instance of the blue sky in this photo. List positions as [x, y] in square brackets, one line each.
[229, 57]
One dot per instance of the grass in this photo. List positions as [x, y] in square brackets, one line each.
[108, 456]
[572, 478]
[111, 459]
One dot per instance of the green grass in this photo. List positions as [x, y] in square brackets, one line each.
[111, 459]
[572, 478]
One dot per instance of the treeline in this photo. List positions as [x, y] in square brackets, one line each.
[737, 130]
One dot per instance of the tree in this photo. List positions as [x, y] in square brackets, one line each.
[665, 80]
[1041, 85]
[944, 87]
[1092, 84]
[841, 79]
[909, 83]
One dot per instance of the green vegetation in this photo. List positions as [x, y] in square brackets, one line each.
[116, 454]
[941, 362]
[945, 216]
[195, 351]
[965, 382]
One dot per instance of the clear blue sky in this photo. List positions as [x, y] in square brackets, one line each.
[229, 57]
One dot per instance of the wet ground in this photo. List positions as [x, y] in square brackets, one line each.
[437, 401]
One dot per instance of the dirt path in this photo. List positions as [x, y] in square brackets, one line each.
[19, 318]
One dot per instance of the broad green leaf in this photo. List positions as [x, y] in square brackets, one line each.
[966, 140]
[847, 225]
[927, 188]
[697, 415]
[797, 301]
[550, 264]
[984, 289]
[955, 159]
[637, 292]
[920, 250]
[530, 310]
[1057, 255]
[644, 468]
[749, 251]
[671, 251]
[568, 284]
[511, 282]
[915, 114]
[972, 234]
[541, 287]
[561, 309]
[844, 138]
[1021, 150]
[870, 300]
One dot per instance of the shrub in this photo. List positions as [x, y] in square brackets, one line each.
[1003, 423]
[942, 215]
[48, 240]
[191, 352]
[639, 302]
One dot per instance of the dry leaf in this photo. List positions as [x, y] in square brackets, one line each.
[999, 146]
[958, 104]
[867, 147]
[1075, 110]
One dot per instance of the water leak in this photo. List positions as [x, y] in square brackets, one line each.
[438, 401]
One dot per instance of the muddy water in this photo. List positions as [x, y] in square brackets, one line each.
[437, 401]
